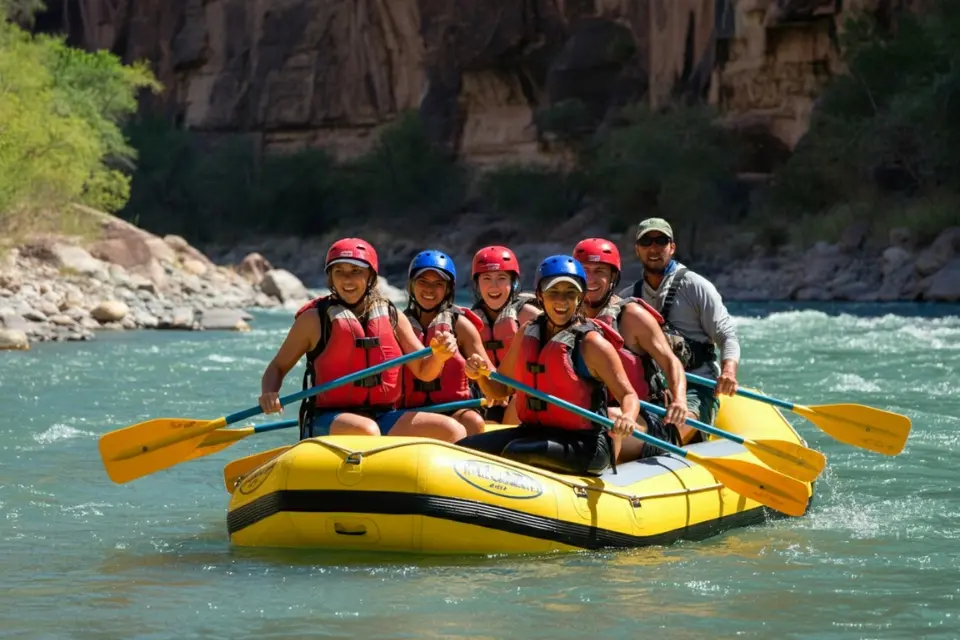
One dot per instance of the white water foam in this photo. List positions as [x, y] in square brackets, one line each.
[61, 432]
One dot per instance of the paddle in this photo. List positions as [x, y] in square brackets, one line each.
[854, 424]
[147, 447]
[788, 458]
[242, 466]
[223, 438]
[750, 480]
[239, 468]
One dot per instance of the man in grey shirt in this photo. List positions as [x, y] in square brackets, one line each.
[697, 322]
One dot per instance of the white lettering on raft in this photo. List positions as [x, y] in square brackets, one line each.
[497, 479]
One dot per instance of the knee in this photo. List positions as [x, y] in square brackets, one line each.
[368, 429]
[354, 425]
[472, 422]
[453, 430]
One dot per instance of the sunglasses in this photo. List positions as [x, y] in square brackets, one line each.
[660, 241]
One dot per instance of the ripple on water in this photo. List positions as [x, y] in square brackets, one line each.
[874, 557]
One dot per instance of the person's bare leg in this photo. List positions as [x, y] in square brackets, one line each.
[352, 424]
[428, 425]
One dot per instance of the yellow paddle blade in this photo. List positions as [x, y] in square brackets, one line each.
[757, 483]
[147, 447]
[239, 468]
[789, 458]
[219, 440]
[860, 426]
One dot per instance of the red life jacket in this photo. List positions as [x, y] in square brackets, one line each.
[550, 368]
[633, 363]
[452, 384]
[497, 337]
[614, 309]
[348, 345]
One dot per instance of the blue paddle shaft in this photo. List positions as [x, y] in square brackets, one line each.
[696, 424]
[447, 406]
[584, 413]
[312, 391]
[273, 426]
[707, 382]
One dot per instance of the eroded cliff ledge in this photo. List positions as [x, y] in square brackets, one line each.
[299, 73]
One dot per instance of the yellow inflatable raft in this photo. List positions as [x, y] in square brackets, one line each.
[425, 496]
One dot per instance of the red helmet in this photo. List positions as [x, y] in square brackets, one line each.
[494, 258]
[354, 251]
[599, 251]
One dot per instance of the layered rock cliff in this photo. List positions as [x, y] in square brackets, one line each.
[306, 73]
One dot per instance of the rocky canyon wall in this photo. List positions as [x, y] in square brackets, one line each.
[310, 73]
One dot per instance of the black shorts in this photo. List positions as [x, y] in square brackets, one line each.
[657, 428]
[584, 452]
[494, 414]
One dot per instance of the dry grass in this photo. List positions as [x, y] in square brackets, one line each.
[74, 222]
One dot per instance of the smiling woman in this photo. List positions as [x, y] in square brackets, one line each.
[349, 330]
[431, 283]
[502, 310]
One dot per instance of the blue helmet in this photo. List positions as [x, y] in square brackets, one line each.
[436, 260]
[560, 265]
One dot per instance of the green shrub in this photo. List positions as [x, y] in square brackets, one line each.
[569, 120]
[405, 174]
[225, 189]
[891, 123]
[537, 193]
[675, 164]
[220, 189]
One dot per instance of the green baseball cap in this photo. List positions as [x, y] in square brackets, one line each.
[654, 224]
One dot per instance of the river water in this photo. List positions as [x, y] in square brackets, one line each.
[878, 556]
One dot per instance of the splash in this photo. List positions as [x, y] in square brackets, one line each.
[60, 432]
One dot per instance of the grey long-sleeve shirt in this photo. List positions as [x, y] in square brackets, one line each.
[698, 313]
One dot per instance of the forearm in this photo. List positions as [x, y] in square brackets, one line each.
[428, 368]
[724, 335]
[676, 378]
[630, 405]
[272, 379]
[729, 366]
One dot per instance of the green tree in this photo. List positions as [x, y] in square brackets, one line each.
[890, 122]
[405, 173]
[674, 163]
[60, 116]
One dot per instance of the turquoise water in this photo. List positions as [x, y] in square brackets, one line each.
[877, 557]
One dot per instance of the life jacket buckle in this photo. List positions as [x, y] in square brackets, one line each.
[536, 367]
[493, 345]
[369, 382]
[426, 387]
[369, 342]
[536, 404]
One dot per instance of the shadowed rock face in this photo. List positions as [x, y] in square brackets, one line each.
[306, 73]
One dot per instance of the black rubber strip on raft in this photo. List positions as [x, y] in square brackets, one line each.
[474, 513]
